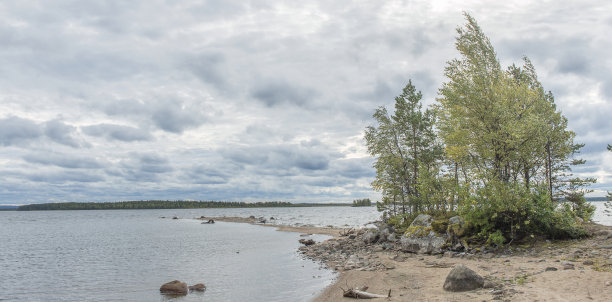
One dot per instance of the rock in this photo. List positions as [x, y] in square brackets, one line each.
[175, 287]
[428, 244]
[307, 242]
[175, 217]
[272, 218]
[461, 279]
[456, 227]
[608, 283]
[252, 217]
[200, 287]
[490, 284]
[420, 237]
[550, 269]
[370, 237]
[384, 234]
[568, 266]
[588, 262]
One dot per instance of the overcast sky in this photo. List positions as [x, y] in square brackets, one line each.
[256, 100]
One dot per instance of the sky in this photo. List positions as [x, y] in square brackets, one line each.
[257, 100]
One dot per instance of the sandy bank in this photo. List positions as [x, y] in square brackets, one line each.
[541, 271]
[334, 232]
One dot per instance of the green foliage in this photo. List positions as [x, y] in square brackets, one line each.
[508, 153]
[366, 202]
[440, 226]
[401, 222]
[496, 238]
[403, 143]
[499, 212]
[579, 205]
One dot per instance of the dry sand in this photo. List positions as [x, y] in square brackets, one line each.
[519, 277]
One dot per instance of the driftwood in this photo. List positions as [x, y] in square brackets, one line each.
[362, 294]
[438, 265]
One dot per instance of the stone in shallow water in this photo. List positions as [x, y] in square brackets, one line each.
[175, 287]
[200, 287]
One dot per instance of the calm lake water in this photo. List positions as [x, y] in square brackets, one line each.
[125, 255]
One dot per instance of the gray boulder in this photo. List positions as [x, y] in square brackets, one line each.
[370, 237]
[462, 279]
[420, 237]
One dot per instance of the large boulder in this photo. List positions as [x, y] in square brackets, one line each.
[462, 279]
[174, 288]
[421, 238]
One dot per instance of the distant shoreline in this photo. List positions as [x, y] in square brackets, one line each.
[164, 204]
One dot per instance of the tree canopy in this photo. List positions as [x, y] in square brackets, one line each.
[494, 148]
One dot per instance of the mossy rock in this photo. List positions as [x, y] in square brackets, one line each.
[456, 227]
[417, 231]
[439, 226]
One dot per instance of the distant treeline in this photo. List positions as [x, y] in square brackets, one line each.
[366, 202]
[165, 204]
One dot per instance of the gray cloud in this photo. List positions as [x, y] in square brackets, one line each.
[249, 101]
[69, 161]
[62, 133]
[15, 130]
[117, 132]
[65, 177]
[277, 92]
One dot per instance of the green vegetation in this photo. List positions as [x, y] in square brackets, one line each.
[164, 204]
[366, 202]
[493, 149]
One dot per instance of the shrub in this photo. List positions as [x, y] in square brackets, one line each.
[501, 213]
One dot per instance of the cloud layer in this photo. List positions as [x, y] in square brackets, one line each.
[262, 100]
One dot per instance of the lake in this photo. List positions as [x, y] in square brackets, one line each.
[125, 255]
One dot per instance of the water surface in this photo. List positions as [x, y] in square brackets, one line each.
[125, 255]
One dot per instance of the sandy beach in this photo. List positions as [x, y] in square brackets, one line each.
[577, 270]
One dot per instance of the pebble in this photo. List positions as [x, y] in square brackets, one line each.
[588, 262]
[550, 269]
[568, 266]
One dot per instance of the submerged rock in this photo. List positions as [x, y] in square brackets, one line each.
[175, 287]
[461, 279]
[200, 287]
[307, 242]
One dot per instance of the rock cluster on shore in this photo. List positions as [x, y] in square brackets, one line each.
[356, 249]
